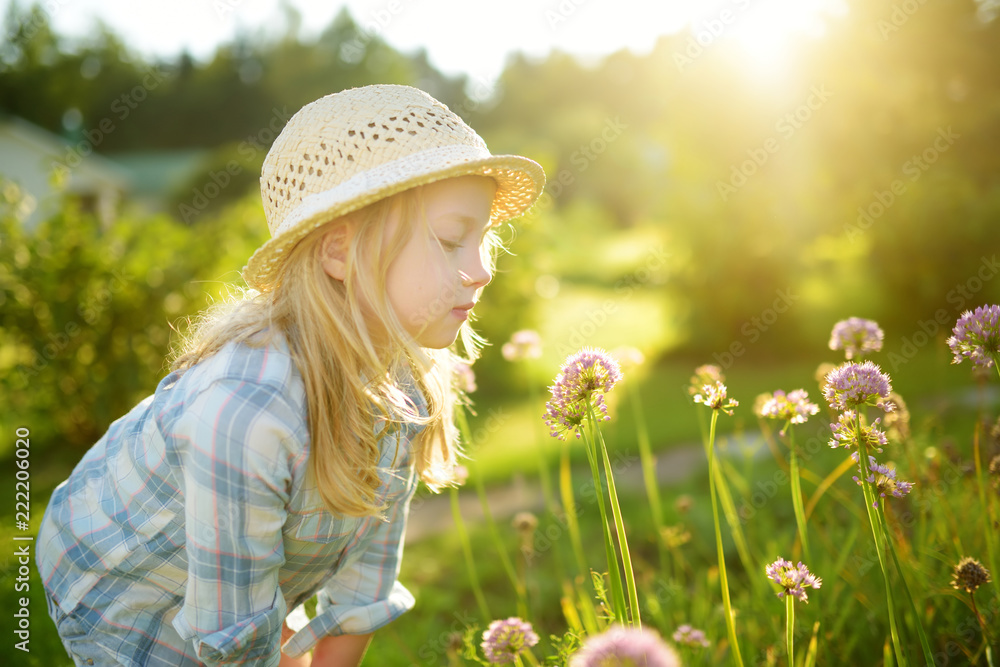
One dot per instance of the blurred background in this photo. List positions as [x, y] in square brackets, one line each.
[726, 181]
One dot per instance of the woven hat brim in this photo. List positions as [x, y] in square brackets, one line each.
[519, 183]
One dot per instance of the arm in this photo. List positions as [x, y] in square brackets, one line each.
[235, 472]
[364, 594]
[341, 651]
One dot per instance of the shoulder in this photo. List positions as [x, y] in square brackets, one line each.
[243, 393]
[268, 371]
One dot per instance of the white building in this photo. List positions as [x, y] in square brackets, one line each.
[36, 159]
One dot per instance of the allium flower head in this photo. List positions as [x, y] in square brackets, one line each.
[707, 374]
[821, 372]
[625, 647]
[856, 337]
[503, 640]
[969, 575]
[793, 407]
[689, 636]
[465, 378]
[586, 376]
[524, 522]
[523, 344]
[714, 396]
[456, 641]
[852, 384]
[995, 470]
[793, 579]
[897, 422]
[845, 433]
[977, 336]
[884, 479]
[675, 536]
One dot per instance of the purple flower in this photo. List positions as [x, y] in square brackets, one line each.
[465, 377]
[689, 636]
[504, 640]
[586, 376]
[884, 479]
[845, 433]
[793, 407]
[794, 580]
[523, 344]
[852, 384]
[856, 336]
[625, 647]
[977, 336]
[714, 396]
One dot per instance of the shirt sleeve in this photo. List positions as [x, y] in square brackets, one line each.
[364, 594]
[234, 445]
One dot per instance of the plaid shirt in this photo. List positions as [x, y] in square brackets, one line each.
[190, 529]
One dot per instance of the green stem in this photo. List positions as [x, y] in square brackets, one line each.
[501, 549]
[648, 472]
[617, 594]
[800, 515]
[790, 627]
[569, 505]
[876, 526]
[616, 511]
[986, 504]
[813, 647]
[736, 527]
[987, 635]
[573, 526]
[924, 643]
[463, 537]
[723, 579]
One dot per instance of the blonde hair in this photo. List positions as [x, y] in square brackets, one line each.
[352, 363]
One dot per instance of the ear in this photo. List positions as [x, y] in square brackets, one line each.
[334, 251]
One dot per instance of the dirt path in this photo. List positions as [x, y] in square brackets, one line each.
[430, 515]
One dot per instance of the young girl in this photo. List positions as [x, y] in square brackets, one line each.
[278, 459]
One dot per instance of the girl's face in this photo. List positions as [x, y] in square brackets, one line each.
[437, 277]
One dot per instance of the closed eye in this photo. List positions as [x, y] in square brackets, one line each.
[449, 246]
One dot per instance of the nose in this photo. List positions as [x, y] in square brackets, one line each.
[478, 275]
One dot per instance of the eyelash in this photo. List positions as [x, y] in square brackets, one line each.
[449, 246]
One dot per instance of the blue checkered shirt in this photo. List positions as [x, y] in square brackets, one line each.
[186, 534]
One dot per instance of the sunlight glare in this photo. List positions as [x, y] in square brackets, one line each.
[766, 32]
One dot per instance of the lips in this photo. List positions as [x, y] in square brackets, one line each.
[462, 312]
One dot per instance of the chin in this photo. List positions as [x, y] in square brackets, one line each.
[437, 342]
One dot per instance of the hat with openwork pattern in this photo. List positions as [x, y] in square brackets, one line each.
[353, 148]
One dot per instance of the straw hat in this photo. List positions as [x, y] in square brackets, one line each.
[353, 148]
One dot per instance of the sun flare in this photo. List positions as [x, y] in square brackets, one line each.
[764, 32]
